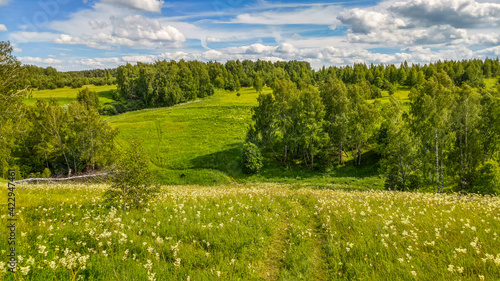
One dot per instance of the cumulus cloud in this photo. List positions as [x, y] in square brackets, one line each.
[422, 22]
[146, 5]
[363, 21]
[287, 48]
[3, 27]
[138, 27]
[252, 49]
[457, 13]
[131, 31]
[212, 55]
[38, 60]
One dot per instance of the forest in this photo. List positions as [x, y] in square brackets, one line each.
[446, 133]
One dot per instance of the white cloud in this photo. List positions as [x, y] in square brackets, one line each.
[138, 27]
[130, 31]
[212, 55]
[363, 21]
[25, 36]
[252, 49]
[457, 13]
[146, 5]
[38, 60]
[317, 15]
[3, 27]
[287, 48]
[4, 2]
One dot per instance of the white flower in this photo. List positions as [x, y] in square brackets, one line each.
[25, 270]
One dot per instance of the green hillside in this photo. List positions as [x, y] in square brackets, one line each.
[199, 143]
[196, 142]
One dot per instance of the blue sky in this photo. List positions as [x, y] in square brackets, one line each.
[86, 34]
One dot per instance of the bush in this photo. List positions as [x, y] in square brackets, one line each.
[120, 108]
[135, 105]
[116, 95]
[46, 173]
[488, 178]
[108, 110]
[252, 158]
[132, 182]
[88, 97]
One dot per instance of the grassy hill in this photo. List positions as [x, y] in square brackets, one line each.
[200, 143]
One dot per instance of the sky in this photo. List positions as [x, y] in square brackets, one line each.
[89, 34]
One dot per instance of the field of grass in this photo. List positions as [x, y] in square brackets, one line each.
[200, 143]
[67, 95]
[253, 232]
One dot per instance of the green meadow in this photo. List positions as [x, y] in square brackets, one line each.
[253, 232]
[67, 95]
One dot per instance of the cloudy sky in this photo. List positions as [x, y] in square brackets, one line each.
[86, 34]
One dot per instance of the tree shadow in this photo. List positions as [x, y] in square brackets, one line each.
[227, 160]
[106, 94]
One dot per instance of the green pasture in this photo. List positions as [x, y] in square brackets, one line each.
[67, 95]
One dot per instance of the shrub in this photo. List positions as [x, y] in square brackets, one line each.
[108, 110]
[252, 158]
[132, 182]
[488, 178]
[46, 173]
[88, 97]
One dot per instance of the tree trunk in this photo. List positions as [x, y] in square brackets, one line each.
[437, 163]
[340, 153]
[442, 173]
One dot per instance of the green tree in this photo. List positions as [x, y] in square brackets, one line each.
[252, 158]
[466, 152]
[362, 120]
[257, 83]
[337, 113]
[12, 88]
[399, 149]
[309, 123]
[132, 181]
[431, 109]
[88, 98]
[488, 179]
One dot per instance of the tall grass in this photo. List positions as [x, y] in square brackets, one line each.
[254, 232]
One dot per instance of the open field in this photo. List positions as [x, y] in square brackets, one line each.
[199, 143]
[254, 232]
[67, 95]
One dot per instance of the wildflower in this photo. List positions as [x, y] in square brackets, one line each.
[25, 270]
[451, 268]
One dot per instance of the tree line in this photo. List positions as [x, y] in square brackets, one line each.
[447, 133]
[49, 78]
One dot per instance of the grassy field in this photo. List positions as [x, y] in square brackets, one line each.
[67, 95]
[200, 143]
[253, 232]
